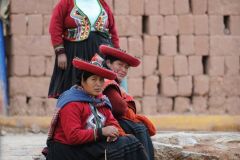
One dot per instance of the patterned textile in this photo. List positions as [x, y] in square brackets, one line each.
[83, 24]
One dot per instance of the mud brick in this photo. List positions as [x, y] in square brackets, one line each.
[49, 61]
[195, 65]
[164, 105]
[201, 45]
[185, 86]
[37, 107]
[44, 6]
[16, 89]
[186, 44]
[181, 6]
[121, 7]
[31, 45]
[154, 25]
[168, 45]
[151, 85]
[201, 24]
[216, 86]
[28, 86]
[232, 85]
[225, 45]
[166, 7]
[135, 86]
[171, 25]
[201, 85]
[180, 65]
[18, 24]
[199, 7]
[151, 45]
[149, 65]
[37, 65]
[46, 23]
[136, 72]
[234, 25]
[232, 65]
[199, 104]
[19, 65]
[19, 6]
[50, 106]
[216, 66]
[232, 105]
[168, 87]
[35, 24]
[149, 105]
[18, 105]
[123, 42]
[151, 7]
[185, 24]
[224, 7]
[136, 7]
[165, 65]
[135, 46]
[216, 105]
[182, 105]
[216, 25]
[129, 25]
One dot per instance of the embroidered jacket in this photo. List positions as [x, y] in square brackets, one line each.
[74, 122]
[70, 23]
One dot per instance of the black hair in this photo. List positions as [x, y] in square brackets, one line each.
[83, 76]
[111, 59]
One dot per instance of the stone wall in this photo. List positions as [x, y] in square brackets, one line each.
[190, 51]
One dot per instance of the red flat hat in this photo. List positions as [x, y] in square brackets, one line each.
[119, 54]
[94, 67]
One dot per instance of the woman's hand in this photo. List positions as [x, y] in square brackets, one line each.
[110, 132]
[62, 61]
[111, 139]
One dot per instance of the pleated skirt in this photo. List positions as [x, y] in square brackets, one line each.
[62, 80]
[124, 148]
[140, 131]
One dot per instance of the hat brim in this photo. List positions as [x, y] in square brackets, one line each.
[121, 55]
[94, 69]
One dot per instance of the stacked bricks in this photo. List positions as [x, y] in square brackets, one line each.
[31, 57]
[190, 53]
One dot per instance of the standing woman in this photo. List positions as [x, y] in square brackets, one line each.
[84, 128]
[124, 109]
[77, 28]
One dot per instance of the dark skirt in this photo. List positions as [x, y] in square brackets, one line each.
[62, 80]
[140, 131]
[125, 148]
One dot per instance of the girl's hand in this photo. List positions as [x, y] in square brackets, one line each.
[62, 61]
[111, 139]
[110, 131]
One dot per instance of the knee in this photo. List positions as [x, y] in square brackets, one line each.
[139, 127]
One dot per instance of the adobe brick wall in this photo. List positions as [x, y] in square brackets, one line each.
[190, 52]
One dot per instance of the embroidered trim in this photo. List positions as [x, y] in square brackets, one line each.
[82, 31]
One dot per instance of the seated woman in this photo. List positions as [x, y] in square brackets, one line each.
[124, 109]
[84, 128]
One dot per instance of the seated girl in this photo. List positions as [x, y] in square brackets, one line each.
[124, 109]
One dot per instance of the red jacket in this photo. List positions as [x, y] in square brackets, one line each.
[72, 127]
[61, 21]
[123, 105]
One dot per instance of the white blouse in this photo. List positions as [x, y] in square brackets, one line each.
[91, 8]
